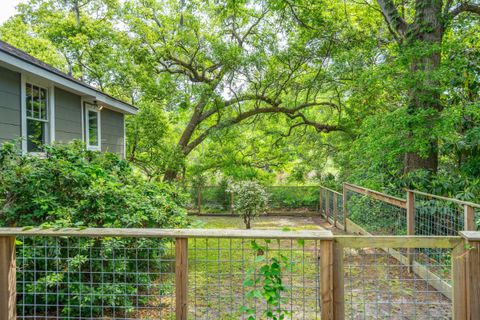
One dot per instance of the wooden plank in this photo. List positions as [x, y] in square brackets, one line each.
[469, 218]
[181, 278]
[8, 283]
[326, 280]
[170, 233]
[335, 213]
[459, 294]
[338, 282]
[401, 203]
[470, 235]
[410, 225]
[331, 190]
[432, 196]
[473, 280]
[371, 241]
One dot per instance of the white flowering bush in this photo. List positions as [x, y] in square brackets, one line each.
[250, 200]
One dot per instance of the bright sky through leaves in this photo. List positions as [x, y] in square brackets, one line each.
[8, 9]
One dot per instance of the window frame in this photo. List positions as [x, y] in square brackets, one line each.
[49, 112]
[90, 107]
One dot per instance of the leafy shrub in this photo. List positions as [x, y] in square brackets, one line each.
[72, 187]
[250, 200]
[293, 197]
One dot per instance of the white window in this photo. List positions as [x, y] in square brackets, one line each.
[92, 127]
[37, 117]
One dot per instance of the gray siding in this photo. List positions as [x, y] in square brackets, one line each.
[112, 131]
[10, 105]
[68, 116]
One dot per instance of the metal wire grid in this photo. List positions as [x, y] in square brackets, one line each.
[219, 267]
[340, 215]
[86, 278]
[437, 217]
[330, 205]
[377, 286]
[323, 207]
[376, 216]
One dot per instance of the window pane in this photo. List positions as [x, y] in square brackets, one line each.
[43, 104]
[29, 100]
[36, 135]
[35, 102]
[93, 128]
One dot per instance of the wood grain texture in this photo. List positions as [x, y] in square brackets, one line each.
[170, 233]
[398, 202]
[326, 280]
[8, 284]
[181, 278]
[459, 294]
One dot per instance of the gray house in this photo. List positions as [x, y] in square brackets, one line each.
[41, 104]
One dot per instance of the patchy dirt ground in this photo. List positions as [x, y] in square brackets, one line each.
[262, 222]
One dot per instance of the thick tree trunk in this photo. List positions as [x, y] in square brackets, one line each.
[425, 36]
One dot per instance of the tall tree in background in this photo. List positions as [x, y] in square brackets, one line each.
[232, 61]
[422, 38]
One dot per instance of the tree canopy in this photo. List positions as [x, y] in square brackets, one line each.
[384, 93]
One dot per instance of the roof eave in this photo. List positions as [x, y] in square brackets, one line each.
[65, 82]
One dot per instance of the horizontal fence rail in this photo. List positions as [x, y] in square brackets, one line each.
[222, 274]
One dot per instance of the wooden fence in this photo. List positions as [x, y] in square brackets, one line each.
[331, 287]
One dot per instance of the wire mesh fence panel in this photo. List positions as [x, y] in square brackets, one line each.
[228, 278]
[323, 209]
[331, 206]
[376, 216]
[378, 286]
[340, 215]
[95, 278]
[437, 217]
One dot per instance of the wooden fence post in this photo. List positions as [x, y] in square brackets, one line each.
[345, 207]
[326, 280]
[410, 225]
[332, 298]
[469, 218]
[471, 283]
[181, 278]
[459, 282]
[8, 292]
[320, 208]
[199, 200]
[327, 205]
[232, 199]
[335, 213]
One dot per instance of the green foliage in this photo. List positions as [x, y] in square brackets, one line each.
[71, 187]
[293, 197]
[250, 200]
[266, 282]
